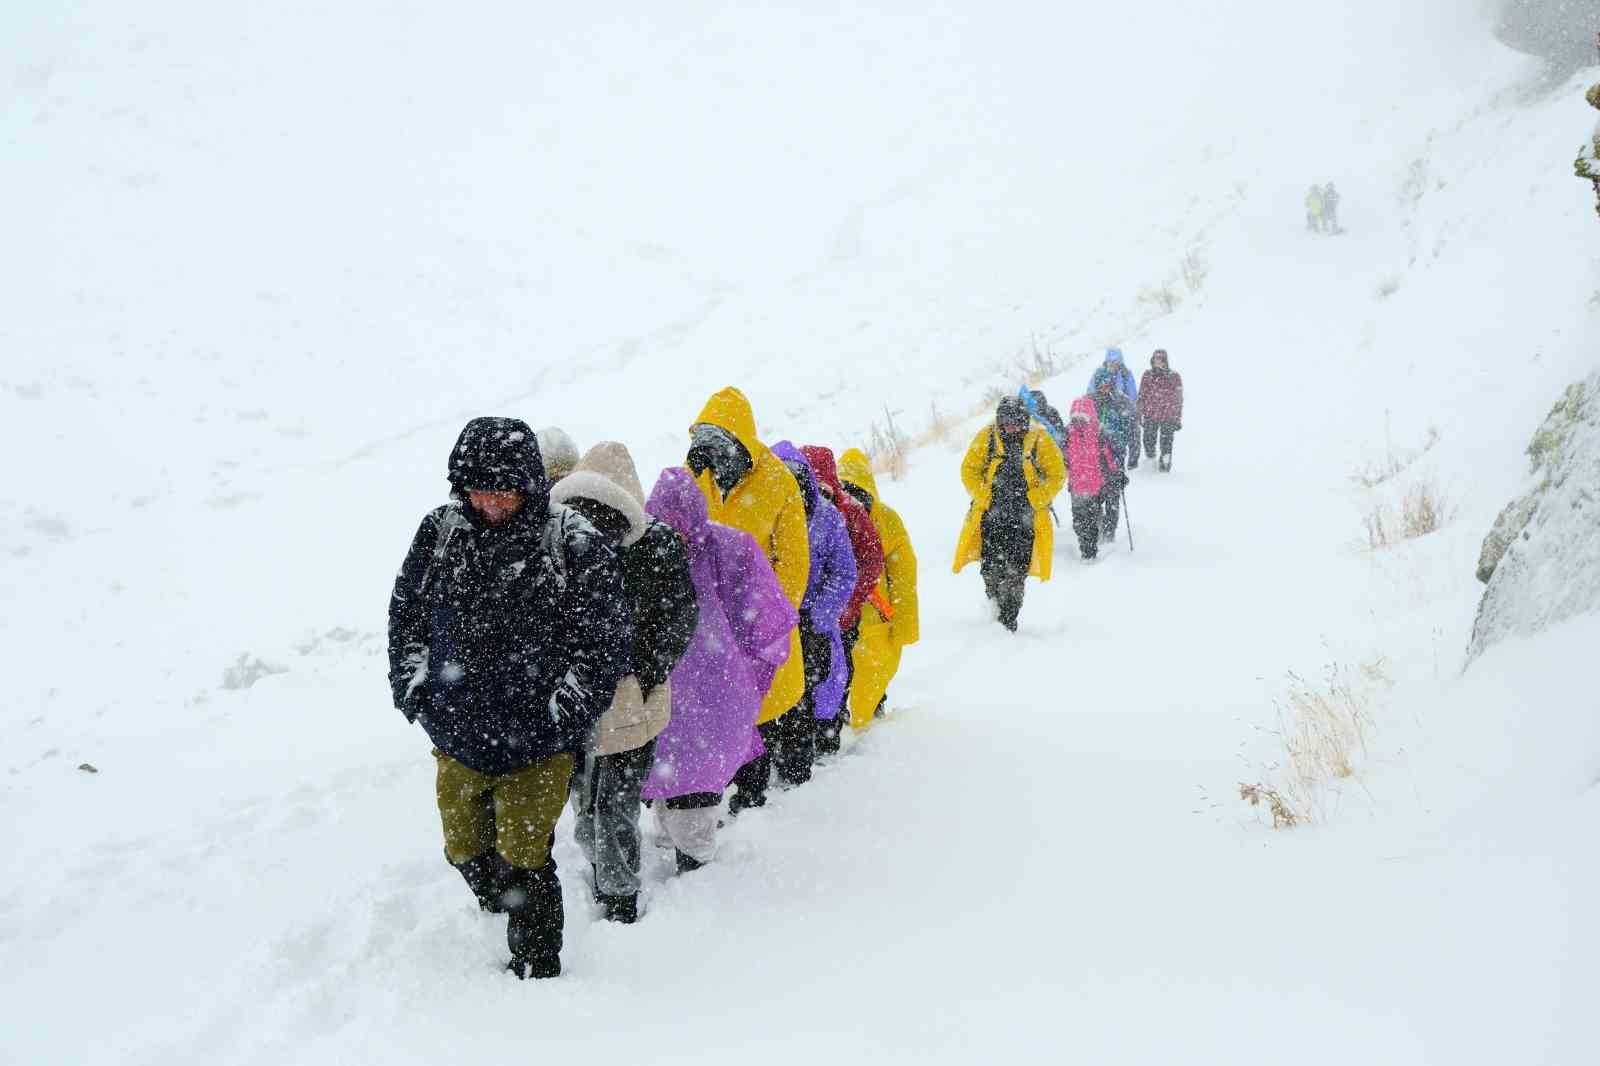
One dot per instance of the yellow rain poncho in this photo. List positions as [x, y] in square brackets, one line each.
[877, 653]
[1046, 473]
[766, 505]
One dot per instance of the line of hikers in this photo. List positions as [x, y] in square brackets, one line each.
[1014, 469]
[1322, 209]
[560, 636]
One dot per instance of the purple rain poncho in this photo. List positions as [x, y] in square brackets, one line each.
[742, 639]
[832, 580]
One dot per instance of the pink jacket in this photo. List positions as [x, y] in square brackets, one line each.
[1089, 455]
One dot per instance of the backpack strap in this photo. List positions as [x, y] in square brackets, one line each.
[451, 521]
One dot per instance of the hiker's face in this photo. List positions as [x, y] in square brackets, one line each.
[497, 508]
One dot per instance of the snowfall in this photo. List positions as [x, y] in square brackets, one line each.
[261, 262]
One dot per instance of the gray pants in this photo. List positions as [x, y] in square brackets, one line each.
[605, 797]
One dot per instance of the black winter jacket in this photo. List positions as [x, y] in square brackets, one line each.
[656, 575]
[506, 643]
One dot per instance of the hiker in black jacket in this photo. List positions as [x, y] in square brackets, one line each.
[508, 631]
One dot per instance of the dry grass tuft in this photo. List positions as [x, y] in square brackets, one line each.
[889, 448]
[1393, 463]
[1283, 815]
[1324, 728]
[1423, 510]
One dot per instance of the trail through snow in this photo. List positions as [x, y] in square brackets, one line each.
[1040, 853]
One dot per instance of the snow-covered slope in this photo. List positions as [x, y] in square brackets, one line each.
[265, 263]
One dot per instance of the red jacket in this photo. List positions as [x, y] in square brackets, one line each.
[864, 538]
[1161, 396]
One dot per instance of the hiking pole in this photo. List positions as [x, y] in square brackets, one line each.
[1127, 517]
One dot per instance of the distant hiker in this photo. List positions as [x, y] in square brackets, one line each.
[889, 620]
[1046, 415]
[717, 688]
[1122, 380]
[508, 630]
[867, 548]
[1160, 408]
[1117, 422]
[1314, 209]
[1012, 472]
[1330, 208]
[828, 588]
[1092, 471]
[748, 488]
[559, 451]
[604, 488]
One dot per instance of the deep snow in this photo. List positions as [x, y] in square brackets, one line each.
[266, 262]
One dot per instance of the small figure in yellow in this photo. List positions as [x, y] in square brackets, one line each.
[1012, 471]
[889, 622]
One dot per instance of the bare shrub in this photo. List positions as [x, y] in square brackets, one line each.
[1392, 463]
[1194, 270]
[888, 448]
[1038, 364]
[1423, 510]
[1164, 298]
[1324, 728]
[1378, 524]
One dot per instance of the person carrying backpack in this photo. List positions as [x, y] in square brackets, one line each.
[867, 548]
[604, 488]
[509, 628]
[1160, 408]
[1314, 209]
[1012, 471]
[748, 488]
[1122, 381]
[1117, 421]
[1330, 208]
[1091, 471]
[889, 620]
[742, 639]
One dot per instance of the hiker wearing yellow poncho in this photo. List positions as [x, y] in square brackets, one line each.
[889, 619]
[750, 489]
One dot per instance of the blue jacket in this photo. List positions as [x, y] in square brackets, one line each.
[1046, 415]
[1121, 377]
[506, 643]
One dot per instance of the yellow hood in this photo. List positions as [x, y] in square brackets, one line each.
[730, 410]
[856, 468]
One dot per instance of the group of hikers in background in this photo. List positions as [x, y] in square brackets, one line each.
[562, 637]
[1014, 470]
[1322, 209]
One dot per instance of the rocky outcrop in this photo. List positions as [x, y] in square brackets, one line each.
[1541, 560]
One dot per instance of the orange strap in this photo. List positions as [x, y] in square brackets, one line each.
[881, 602]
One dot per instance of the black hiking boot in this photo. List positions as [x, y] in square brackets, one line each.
[687, 863]
[621, 909]
[532, 899]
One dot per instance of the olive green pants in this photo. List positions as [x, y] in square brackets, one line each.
[513, 813]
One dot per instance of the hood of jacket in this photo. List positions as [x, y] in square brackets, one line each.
[606, 474]
[823, 465]
[731, 410]
[856, 468]
[1083, 410]
[559, 452]
[678, 501]
[497, 455]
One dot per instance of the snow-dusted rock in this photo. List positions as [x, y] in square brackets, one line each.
[1541, 560]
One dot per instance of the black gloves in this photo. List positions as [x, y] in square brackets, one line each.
[817, 650]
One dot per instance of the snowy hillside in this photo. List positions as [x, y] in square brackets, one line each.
[263, 264]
